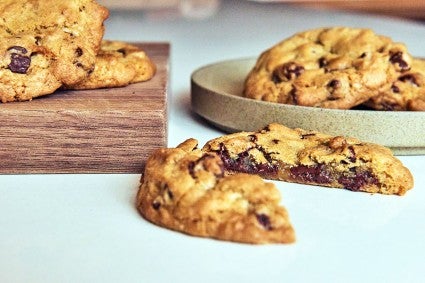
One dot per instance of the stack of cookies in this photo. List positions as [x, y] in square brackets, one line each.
[47, 45]
[341, 68]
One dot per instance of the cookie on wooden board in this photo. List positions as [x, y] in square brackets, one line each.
[118, 64]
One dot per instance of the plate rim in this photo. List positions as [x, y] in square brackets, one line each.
[200, 90]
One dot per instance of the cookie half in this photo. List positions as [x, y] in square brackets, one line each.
[186, 190]
[309, 157]
[118, 64]
[337, 67]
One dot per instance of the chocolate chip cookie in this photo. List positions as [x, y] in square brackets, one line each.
[406, 93]
[60, 38]
[118, 64]
[309, 157]
[337, 67]
[186, 189]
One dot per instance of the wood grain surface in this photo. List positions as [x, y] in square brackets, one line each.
[88, 131]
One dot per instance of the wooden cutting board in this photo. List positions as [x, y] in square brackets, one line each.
[88, 131]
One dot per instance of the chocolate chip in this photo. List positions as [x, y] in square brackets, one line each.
[264, 220]
[352, 156]
[79, 52]
[37, 40]
[156, 205]
[266, 154]
[293, 95]
[276, 78]
[203, 163]
[122, 51]
[275, 141]
[409, 78]
[266, 129]
[286, 72]
[253, 138]
[19, 63]
[79, 64]
[397, 58]
[334, 84]
[169, 192]
[303, 136]
[322, 62]
[363, 55]
[333, 87]
[395, 89]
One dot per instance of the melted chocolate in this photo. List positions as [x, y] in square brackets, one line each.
[311, 174]
[358, 181]
[245, 163]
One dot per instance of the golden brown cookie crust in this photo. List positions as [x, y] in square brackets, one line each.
[118, 64]
[186, 190]
[336, 67]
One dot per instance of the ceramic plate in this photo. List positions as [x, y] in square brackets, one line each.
[216, 96]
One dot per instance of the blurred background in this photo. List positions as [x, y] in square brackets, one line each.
[410, 9]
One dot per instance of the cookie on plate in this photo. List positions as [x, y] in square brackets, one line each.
[118, 64]
[406, 93]
[186, 190]
[309, 157]
[66, 34]
[337, 67]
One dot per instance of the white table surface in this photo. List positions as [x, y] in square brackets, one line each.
[85, 228]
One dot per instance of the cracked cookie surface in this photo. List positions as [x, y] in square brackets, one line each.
[60, 39]
[186, 190]
[308, 157]
[335, 67]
